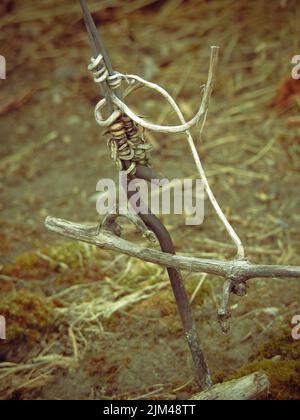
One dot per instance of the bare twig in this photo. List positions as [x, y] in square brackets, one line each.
[236, 272]
[239, 270]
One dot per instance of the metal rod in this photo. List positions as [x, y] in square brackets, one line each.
[96, 49]
[98, 46]
[97, 39]
[183, 305]
[179, 291]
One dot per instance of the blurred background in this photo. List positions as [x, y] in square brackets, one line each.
[85, 323]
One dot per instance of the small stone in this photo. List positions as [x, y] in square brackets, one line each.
[277, 358]
[73, 120]
[67, 140]
[51, 136]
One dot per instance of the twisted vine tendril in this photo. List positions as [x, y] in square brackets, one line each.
[100, 74]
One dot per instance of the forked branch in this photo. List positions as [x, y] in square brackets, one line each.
[239, 270]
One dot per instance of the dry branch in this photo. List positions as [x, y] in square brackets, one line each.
[236, 272]
[250, 387]
[239, 270]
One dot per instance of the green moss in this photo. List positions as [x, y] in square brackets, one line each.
[36, 265]
[90, 274]
[28, 316]
[284, 346]
[280, 360]
[27, 266]
[284, 377]
[70, 254]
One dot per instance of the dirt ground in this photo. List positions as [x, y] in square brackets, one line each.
[52, 155]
